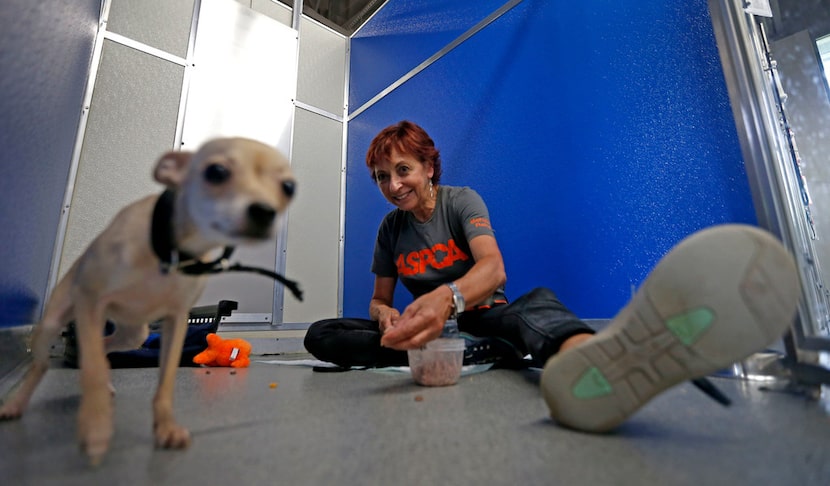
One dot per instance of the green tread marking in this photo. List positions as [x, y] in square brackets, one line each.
[592, 384]
[689, 326]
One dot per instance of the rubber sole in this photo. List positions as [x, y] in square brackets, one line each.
[720, 295]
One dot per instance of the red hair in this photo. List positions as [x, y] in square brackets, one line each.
[407, 138]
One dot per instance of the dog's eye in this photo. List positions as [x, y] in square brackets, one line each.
[217, 174]
[288, 187]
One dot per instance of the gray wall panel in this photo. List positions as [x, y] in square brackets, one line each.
[275, 10]
[132, 120]
[163, 24]
[321, 77]
[254, 293]
[313, 249]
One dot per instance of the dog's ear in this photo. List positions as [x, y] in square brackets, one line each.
[171, 168]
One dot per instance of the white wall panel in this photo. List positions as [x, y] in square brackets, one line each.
[243, 84]
[240, 78]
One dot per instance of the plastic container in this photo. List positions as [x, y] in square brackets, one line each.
[438, 363]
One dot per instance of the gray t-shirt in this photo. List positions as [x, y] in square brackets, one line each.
[426, 255]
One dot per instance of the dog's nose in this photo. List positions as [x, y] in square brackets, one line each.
[261, 214]
[288, 187]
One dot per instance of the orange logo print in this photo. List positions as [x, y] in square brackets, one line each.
[480, 223]
[439, 256]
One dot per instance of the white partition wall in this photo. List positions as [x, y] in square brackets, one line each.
[170, 73]
[243, 83]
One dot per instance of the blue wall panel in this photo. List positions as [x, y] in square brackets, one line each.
[402, 35]
[45, 53]
[599, 133]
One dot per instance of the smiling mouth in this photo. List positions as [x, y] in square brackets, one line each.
[402, 196]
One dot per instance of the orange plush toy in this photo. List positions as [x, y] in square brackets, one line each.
[225, 352]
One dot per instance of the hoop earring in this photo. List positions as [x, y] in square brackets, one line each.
[431, 193]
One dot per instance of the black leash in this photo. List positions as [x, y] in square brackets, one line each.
[164, 246]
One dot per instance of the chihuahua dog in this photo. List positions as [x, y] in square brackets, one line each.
[135, 272]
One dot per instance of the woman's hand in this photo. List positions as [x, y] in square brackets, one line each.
[422, 321]
[387, 316]
[380, 307]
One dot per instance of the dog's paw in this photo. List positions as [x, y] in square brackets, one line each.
[95, 444]
[94, 440]
[170, 435]
[11, 410]
[95, 427]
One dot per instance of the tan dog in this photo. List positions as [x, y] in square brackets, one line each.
[230, 191]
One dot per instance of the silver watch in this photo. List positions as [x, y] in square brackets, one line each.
[458, 304]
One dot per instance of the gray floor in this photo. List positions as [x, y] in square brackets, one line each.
[374, 428]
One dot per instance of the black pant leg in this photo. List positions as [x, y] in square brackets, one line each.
[351, 342]
[536, 323]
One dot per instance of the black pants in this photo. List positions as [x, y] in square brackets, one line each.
[537, 323]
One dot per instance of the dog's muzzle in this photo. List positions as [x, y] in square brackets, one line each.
[259, 220]
[170, 259]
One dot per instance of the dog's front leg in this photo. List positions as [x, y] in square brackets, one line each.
[169, 434]
[95, 414]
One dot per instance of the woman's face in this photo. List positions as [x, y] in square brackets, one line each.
[404, 181]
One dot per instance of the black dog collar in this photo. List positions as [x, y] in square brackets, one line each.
[164, 246]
